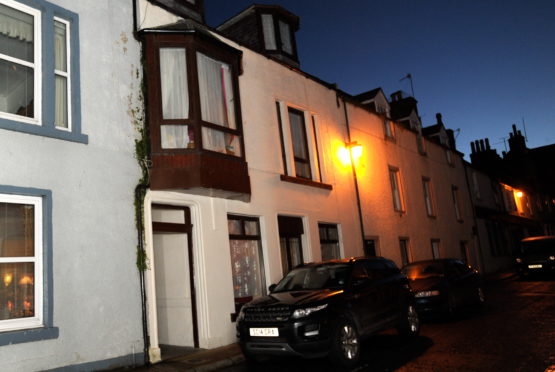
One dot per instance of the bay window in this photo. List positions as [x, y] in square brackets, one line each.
[194, 114]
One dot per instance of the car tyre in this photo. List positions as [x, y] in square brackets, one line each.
[409, 322]
[480, 297]
[345, 348]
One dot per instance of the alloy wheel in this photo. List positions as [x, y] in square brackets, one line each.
[349, 342]
[412, 318]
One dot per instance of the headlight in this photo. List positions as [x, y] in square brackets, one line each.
[518, 260]
[301, 313]
[426, 294]
[552, 258]
[241, 314]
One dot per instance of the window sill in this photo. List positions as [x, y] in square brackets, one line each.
[43, 131]
[303, 181]
[28, 335]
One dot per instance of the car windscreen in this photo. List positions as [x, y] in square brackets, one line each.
[325, 276]
[538, 247]
[424, 270]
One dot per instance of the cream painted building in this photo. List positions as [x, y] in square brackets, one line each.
[249, 176]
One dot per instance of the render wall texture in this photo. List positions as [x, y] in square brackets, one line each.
[96, 301]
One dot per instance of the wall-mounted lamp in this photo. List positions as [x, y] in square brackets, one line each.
[352, 150]
[355, 148]
[518, 194]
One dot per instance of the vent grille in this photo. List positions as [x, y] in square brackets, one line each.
[268, 314]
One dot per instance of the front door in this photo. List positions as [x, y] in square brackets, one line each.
[174, 279]
[290, 240]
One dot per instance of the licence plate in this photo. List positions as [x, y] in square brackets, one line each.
[534, 266]
[264, 332]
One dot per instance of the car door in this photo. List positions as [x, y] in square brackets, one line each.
[365, 298]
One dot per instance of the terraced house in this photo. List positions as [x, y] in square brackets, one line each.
[69, 289]
[257, 166]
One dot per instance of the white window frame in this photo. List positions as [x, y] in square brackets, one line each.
[436, 250]
[428, 199]
[37, 259]
[65, 74]
[36, 65]
[313, 140]
[398, 199]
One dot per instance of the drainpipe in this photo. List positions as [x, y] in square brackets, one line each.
[480, 255]
[357, 193]
[140, 192]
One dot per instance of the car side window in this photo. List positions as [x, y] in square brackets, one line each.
[359, 274]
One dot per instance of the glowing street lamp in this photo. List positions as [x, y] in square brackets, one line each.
[350, 153]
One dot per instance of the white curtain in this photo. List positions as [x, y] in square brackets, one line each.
[173, 80]
[269, 32]
[245, 266]
[60, 109]
[215, 140]
[16, 24]
[285, 35]
[175, 136]
[216, 92]
[60, 46]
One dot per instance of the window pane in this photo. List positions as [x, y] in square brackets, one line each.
[177, 137]
[16, 89]
[17, 290]
[251, 228]
[330, 251]
[16, 34]
[217, 102]
[245, 266]
[395, 190]
[60, 46]
[60, 109]
[269, 32]
[285, 35]
[234, 227]
[215, 140]
[173, 81]
[17, 230]
[300, 148]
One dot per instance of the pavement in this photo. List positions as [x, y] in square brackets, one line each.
[198, 361]
[229, 355]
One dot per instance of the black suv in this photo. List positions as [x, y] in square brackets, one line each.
[537, 255]
[325, 308]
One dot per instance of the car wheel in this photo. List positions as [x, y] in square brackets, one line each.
[409, 323]
[345, 349]
[481, 297]
[451, 309]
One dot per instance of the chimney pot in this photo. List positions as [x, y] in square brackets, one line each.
[487, 144]
[472, 147]
[514, 128]
[438, 118]
[482, 145]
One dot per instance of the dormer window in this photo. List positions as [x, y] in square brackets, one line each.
[280, 41]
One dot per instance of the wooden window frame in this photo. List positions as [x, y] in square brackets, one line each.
[192, 46]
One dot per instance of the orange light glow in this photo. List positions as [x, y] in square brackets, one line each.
[352, 150]
[26, 280]
[518, 194]
[8, 279]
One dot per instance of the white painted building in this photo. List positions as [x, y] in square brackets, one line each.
[249, 177]
[69, 288]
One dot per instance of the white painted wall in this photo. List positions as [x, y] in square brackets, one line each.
[96, 286]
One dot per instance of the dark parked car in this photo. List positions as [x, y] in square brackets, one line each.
[443, 286]
[326, 308]
[536, 255]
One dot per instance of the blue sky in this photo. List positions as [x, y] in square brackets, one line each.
[483, 64]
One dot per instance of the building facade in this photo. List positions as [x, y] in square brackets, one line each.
[256, 167]
[69, 290]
